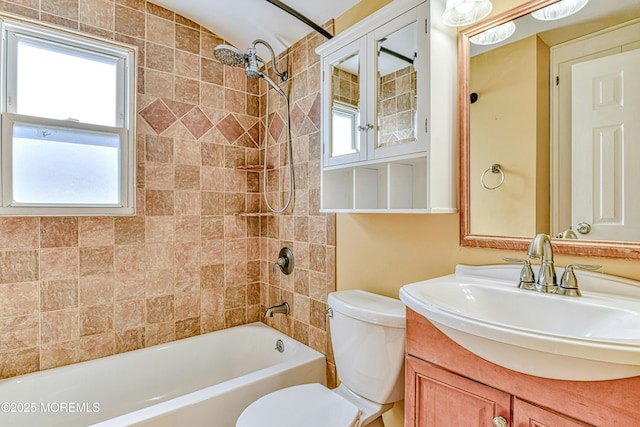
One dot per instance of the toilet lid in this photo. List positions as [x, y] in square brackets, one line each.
[309, 405]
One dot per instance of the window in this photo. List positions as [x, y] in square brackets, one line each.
[67, 129]
[344, 138]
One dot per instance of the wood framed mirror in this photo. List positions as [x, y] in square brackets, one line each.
[514, 116]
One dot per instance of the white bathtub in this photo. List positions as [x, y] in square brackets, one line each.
[205, 380]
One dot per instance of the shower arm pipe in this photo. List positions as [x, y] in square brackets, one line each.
[284, 75]
[266, 148]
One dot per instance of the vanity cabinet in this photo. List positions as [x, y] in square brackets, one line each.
[388, 113]
[448, 385]
[441, 398]
[445, 399]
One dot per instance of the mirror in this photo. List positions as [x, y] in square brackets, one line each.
[397, 91]
[521, 126]
[345, 106]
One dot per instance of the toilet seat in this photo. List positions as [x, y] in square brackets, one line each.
[309, 405]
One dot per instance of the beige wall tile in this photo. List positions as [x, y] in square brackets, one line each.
[19, 362]
[18, 332]
[159, 282]
[97, 13]
[59, 263]
[95, 346]
[129, 21]
[17, 299]
[129, 340]
[159, 333]
[58, 294]
[160, 309]
[160, 30]
[96, 260]
[19, 233]
[56, 232]
[95, 231]
[59, 354]
[159, 229]
[96, 319]
[58, 326]
[96, 290]
[129, 258]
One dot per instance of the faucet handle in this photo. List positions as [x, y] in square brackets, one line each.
[569, 282]
[284, 261]
[527, 278]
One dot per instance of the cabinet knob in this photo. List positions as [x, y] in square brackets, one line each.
[500, 422]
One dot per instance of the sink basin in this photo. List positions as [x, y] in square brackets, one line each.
[588, 338]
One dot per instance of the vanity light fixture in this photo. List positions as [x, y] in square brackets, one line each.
[494, 35]
[559, 10]
[458, 13]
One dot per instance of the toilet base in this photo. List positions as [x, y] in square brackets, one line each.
[370, 412]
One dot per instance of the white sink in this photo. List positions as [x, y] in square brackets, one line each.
[588, 338]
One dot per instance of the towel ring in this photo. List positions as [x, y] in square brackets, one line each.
[495, 168]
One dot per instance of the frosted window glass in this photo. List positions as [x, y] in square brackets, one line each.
[65, 166]
[64, 84]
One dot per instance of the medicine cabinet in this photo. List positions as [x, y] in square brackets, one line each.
[388, 113]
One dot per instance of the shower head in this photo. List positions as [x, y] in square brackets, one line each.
[252, 70]
[229, 55]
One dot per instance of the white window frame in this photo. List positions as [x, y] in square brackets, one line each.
[124, 57]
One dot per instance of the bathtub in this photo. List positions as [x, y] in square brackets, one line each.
[206, 380]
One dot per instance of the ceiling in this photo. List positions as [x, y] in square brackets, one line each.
[240, 22]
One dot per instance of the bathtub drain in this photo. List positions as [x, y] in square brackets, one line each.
[280, 346]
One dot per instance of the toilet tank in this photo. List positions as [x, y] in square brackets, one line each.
[368, 338]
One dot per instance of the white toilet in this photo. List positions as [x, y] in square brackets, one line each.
[368, 338]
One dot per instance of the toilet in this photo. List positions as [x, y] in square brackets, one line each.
[368, 338]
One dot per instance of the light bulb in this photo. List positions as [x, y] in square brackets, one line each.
[464, 12]
[559, 10]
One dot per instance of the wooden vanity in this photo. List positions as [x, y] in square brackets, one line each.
[446, 385]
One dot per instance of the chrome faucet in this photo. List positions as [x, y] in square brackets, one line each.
[540, 248]
[281, 308]
[547, 281]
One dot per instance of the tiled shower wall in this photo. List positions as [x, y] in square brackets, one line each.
[346, 87]
[79, 288]
[397, 106]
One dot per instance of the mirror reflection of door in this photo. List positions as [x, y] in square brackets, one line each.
[606, 146]
[571, 197]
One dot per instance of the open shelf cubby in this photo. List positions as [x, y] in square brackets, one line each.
[391, 185]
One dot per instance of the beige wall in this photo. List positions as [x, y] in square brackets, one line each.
[509, 126]
[357, 13]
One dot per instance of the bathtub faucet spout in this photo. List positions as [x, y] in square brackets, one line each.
[281, 308]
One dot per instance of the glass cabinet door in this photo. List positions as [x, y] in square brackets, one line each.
[347, 117]
[400, 51]
[396, 81]
[345, 106]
